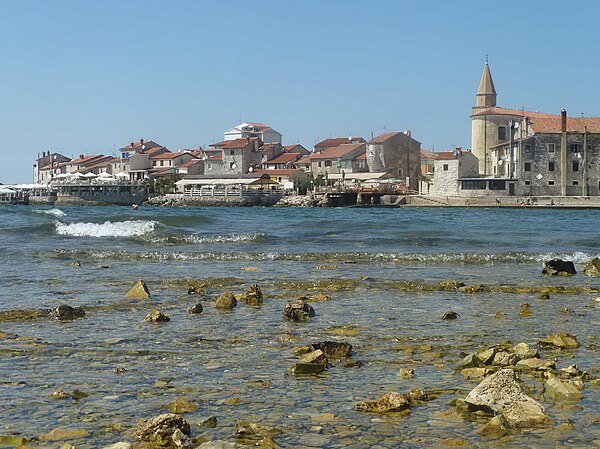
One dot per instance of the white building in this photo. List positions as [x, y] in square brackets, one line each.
[248, 129]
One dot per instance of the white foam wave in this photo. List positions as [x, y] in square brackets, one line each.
[55, 212]
[132, 228]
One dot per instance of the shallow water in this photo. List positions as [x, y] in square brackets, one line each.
[388, 305]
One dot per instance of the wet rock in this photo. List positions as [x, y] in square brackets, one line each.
[181, 405]
[75, 263]
[138, 291]
[559, 391]
[494, 427]
[253, 296]
[501, 394]
[60, 394]
[353, 364]
[524, 351]
[12, 441]
[251, 269]
[571, 371]
[298, 310]
[451, 285]
[66, 313]
[301, 350]
[164, 430]
[334, 349]
[119, 445]
[485, 357]
[195, 290]
[536, 364]
[210, 422]
[475, 373]
[560, 340]
[226, 301]
[504, 358]
[471, 289]
[319, 297]
[450, 316]
[592, 268]
[78, 394]
[219, 444]
[406, 373]
[469, 361]
[314, 362]
[393, 402]
[558, 267]
[156, 316]
[62, 434]
[250, 430]
[544, 296]
[196, 309]
[268, 442]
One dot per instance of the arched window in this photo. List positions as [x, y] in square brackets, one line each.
[502, 133]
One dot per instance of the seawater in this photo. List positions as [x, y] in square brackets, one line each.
[380, 266]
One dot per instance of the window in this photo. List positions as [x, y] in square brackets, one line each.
[473, 185]
[527, 183]
[154, 163]
[231, 152]
[527, 148]
[575, 166]
[497, 185]
[551, 147]
[327, 163]
[162, 163]
[232, 165]
[527, 166]
[575, 183]
[574, 148]
[550, 183]
[319, 164]
[550, 166]
[502, 133]
[445, 167]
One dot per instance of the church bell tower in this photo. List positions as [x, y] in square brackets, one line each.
[486, 94]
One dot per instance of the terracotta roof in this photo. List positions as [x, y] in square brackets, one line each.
[362, 156]
[304, 159]
[101, 163]
[234, 144]
[486, 85]
[155, 150]
[515, 112]
[286, 171]
[574, 124]
[338, 152]
[168, 155]
[189, 163]
[449, 155]
[138, 145]
[337, 141]
[215, 157]
[87, 159]
[429, 154]
[385, 136]
[284, 158]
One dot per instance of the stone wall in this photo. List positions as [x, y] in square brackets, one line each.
[400, 155]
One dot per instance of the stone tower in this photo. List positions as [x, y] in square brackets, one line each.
[486, 94]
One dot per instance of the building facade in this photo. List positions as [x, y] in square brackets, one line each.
[397, 153]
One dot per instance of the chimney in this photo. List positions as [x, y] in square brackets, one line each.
[81, 156]
[141, 141]
[132, 144]
[563, 119]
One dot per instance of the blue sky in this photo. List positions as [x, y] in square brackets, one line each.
[90, 76]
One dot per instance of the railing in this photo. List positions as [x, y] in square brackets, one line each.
[233, 192]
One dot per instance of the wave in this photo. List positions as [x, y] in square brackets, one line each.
[208, 238]
[337, 257]
[132, 228]
[54, 212]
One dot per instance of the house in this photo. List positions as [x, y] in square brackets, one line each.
[297, 148]
[455, 171]
[286, 177]
[238, 156]
[103, 165]
[142, 146]
[427, 162]
[48, 165]
[170, 159]
[191, 167]
[282, 161]
[253, 130]
[335, 142]
[120, 165]
[304, 163]
[342, 158]
[83, 162]
[396, 153]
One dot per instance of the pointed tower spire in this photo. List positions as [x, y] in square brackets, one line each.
[486, 94]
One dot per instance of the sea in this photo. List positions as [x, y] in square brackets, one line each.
[381, 269]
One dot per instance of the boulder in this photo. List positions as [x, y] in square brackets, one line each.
[450, 316]
[164, 430]
[196, 309]
[392, 402]
[475, 373]
[524, 351]
[66, 313]
[500, 394]
[560, 340]
[334, 349]
[253, 296]
[226, 301]
[138, 291]
[298, 310]
[314, 362]
[504, 358]
[61, 434]
[536, 364]
[558, 267]
[592, 268]
[156, 316]
[250, 430]
[485, 357]
[559, 391]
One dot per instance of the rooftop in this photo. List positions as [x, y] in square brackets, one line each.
[336, 141]
[338, 151]
[284, 158]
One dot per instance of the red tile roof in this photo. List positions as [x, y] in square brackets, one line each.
[362, 156]
[337, 141]
[215, 157]
[234, 144]
[449, 155]
[506, 111]
[385, 136]
[304, 159]
[338, 152]
[284, 158]
[189, 163]
[137, 146]
[574, 124]
[286, 171]
[168, 155]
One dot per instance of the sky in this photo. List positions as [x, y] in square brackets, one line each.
[88, 77]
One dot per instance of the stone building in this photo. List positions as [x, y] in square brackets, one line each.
[398, 154]
[452, 169]
[343, 158]
[238, 156]
[47, 166]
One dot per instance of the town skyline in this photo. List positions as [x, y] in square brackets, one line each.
[78, 89]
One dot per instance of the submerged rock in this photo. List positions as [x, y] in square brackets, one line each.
[250, 430]
[138, 291]
[406, 373]
[592, 268]
[75, 263]
[165, 430]
[298, 310]
[560, 340]
[314, 362]
[219, 444]
[156, 316]
[334, 349]
[181, 405]
[501, 394]
[253, 296]
[65, 312]
[226, 301]
[61, 434]
[319, 297]
[450, 316]
[558, 267]
[559, 391]
[471, 289]
[196, 309]
[393, 402]
[534, 364]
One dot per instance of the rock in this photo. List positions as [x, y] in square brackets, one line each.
[314, 362]
[471, 289]
[297, 310]
[138, 291]
[560, 340]
[196, 309]
[268, 442]
[592, 268]
[226, 301]
[451, 285]
[450, 316]
[454, 442]
[250, 430]
[210, 422]
[253, 296]
[485, 357]
[558, 267]
[559, 391]
[218, 444]
[468, 361]
[494, 427]
[544, 296]
[503, 358]
[524, 351]
[181, 405]
[66, 313]
[475, 373]
[119, 445]
[392, 402]
[165, 430]
[406, 373]
[536, 364]
[251, 269]
[319, 297]
[156, 316]
[61, 434]
[75, 263]
[501, 394]
[12, 441]
[334, 349]
[78, 394]
[60, 394]
[571, 371]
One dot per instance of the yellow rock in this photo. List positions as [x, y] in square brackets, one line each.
[252, 269]
[138, 291]
[10, 440]
[326, 267]
[324, 417]
[181, 405]
[454, 442]
[60, 434]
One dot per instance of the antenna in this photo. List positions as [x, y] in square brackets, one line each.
[486, 58]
